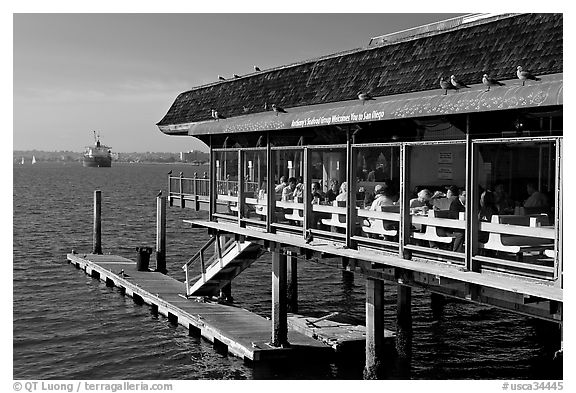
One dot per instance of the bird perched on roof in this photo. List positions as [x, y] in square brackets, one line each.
[457, 84]
[278, 109]
[364, 97]
[221, 78]
[524, 75]
[121, 273]
[236, 75]
[265, 106]
[446, 85]
[256, 69]
[216, 115]
[488, 81]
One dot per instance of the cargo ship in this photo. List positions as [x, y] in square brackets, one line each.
[98, 155]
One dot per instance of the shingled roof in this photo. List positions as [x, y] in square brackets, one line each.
[497, 48]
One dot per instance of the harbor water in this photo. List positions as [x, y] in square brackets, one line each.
[67, 325]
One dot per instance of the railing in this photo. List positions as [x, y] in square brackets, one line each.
[194, 189]
[205, 259]
[500, 246]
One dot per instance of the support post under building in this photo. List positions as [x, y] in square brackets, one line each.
[292, 286]
[279, 302]
[404, 323]
[374, 328]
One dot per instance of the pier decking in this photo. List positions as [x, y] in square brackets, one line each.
[244, 333]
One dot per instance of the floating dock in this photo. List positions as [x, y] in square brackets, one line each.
[234, 329]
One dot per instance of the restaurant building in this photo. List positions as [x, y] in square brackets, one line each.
[499, 242]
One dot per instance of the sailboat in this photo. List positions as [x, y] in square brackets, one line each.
[33, 159]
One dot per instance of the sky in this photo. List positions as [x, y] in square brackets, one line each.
[118, 74]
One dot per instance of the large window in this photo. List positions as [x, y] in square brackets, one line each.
[516, 184]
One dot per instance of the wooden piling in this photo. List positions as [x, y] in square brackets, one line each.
[374, 328]
[279, 303]
[161, 234]
[404, 322]
[97, 234]
[292, 286]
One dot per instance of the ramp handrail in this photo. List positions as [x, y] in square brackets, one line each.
[200, 255]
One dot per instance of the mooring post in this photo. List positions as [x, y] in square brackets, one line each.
[374, 328]
[279, 303]
[292, 274]
[404, 323]
[161, 234]
[97, 234]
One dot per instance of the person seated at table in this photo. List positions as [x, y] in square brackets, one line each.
[419, 205]
[332, 192]
[537, 202]
[317, 194]
[382, 197]
[502, 200]
[360, 195]
[262, 192]
[458, 205]
[368, 199]
[288, 193]
[487, 209]
[281, 186]
[440, 203]
[343, 195]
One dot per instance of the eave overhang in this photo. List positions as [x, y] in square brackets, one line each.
[543, 93]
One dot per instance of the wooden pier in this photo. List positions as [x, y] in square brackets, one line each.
[243, 333]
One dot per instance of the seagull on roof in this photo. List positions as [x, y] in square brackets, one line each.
[218, 116]
[446, 85]
[265, 106]
[236, 75]
[221, 78]
[364, 97]
[256, 68]
[213, 113]
[488, 81]
[278, 109]
[457, 84]
[524, 75]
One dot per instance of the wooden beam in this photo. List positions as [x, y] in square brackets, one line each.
[374, 328]
[405, 224]
[279, 303]
[97, 233]
[404, 322]
[161, 234]
[292, 286]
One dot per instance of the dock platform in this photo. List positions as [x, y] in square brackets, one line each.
[241, 332]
